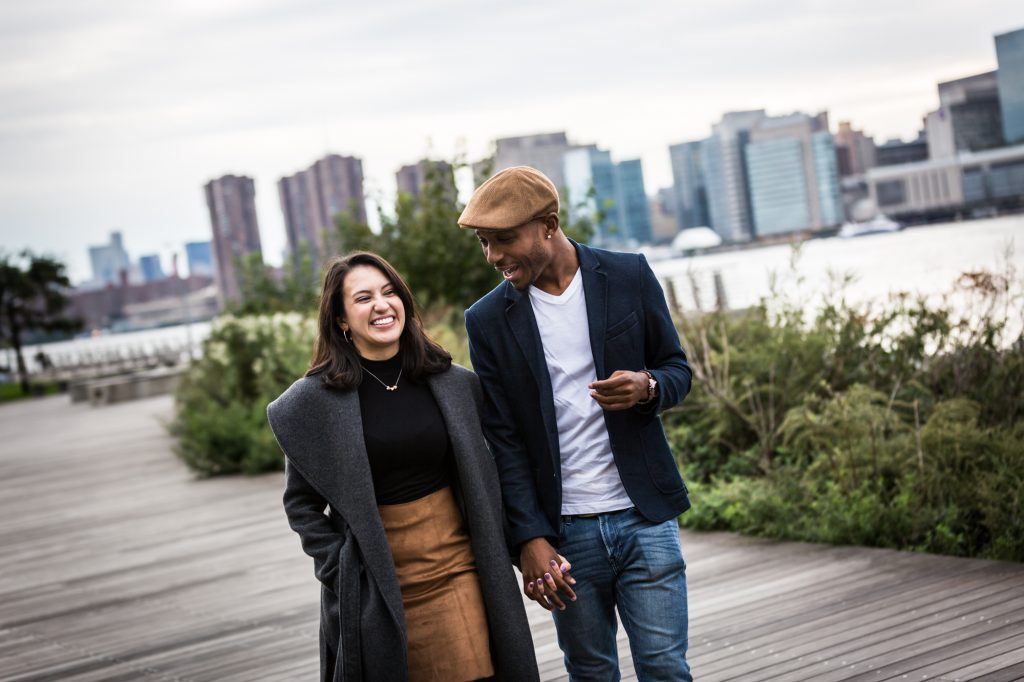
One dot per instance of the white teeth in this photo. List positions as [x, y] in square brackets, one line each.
[382, 321]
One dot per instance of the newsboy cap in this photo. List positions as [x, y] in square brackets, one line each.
[510, 198]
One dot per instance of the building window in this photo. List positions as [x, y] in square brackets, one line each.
[891, 192]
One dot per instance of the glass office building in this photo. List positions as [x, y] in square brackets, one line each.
[1010, 55]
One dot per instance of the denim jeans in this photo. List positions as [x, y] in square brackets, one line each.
[620, 559]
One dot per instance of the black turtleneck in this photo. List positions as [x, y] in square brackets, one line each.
[406, 439]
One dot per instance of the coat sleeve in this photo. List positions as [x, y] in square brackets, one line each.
[663, 356]
[524, 516]
[320, 540]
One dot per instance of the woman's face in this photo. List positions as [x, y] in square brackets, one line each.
[374, 314]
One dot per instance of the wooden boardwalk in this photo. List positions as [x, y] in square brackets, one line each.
[115, 564]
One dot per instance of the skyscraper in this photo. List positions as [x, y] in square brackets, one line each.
[236, 234]
[723, 164]
[412, 178]
[610, 195]
[310, 200]
[793, 175]
[1010, 55]
[689, 186]
[855, 151]
[200, 259]
[634, 210]
[151, 268]
[543, 152]
[109, 261]
[968, 117]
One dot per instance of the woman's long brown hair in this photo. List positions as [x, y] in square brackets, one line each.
[335, 358]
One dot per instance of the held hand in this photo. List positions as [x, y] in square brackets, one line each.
[621, 391]
[545, 574]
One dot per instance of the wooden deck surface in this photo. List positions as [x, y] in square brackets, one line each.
[115, 564]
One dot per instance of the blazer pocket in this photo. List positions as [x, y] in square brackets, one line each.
[622, 326]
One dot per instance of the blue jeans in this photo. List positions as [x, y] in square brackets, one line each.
[622, 559]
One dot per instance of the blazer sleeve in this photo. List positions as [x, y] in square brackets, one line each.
[305, 510]
[524, 516]
[663, 356]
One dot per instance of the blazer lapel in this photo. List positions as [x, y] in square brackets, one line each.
[595, 291]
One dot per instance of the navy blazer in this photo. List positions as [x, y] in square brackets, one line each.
[630, 329]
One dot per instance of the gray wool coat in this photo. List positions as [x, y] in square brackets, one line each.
[362, 621]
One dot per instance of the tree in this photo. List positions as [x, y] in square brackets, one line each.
[263, 291]
[32, 298]
[442, 263]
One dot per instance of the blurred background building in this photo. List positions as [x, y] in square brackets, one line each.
[231, 200]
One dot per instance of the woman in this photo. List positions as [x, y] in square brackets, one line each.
[383, 433]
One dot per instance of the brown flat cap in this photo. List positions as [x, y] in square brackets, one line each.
[510, 198]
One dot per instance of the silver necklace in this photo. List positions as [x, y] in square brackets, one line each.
[386, 387]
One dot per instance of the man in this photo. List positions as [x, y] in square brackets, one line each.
[577, 353]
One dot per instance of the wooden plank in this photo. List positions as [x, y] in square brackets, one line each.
[117, 564]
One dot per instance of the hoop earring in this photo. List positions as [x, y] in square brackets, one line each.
[348, 337]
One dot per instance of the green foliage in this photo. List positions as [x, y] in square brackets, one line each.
[247, 361]
[263, 290]
[221, 403]
[441, 262]
[895, 426]
[32, 298]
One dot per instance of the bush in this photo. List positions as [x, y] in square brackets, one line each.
[896, 426]
[221, 403]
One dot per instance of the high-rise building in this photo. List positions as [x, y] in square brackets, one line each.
[855, 151]
[589, 191]
[110, 262]
[1010, 55]
[200, 259]
[793, 175]
[689, 186]
[723, 163]
[612, 196]
[150, 268]
[968, 118]
[634, 211]
[310, 200]
[543, 152]
[236, 234]
[412, 178]
[664, 225]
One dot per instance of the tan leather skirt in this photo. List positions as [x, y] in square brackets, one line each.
[444, 609]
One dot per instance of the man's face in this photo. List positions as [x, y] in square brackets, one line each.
[520, 254]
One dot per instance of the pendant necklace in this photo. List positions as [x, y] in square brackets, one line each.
[386, 387]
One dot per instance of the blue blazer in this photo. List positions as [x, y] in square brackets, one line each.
[631, 329]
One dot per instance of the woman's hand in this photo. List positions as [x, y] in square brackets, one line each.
[545, 574]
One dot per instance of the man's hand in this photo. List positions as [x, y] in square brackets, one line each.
[621, 391]
[545, 574]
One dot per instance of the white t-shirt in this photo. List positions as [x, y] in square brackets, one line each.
[590, 479]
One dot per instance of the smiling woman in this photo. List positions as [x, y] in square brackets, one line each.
[383, 434]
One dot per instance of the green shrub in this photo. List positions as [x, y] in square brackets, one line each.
[893, 425]
[221, 423]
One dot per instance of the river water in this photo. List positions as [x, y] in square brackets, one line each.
[922, 260]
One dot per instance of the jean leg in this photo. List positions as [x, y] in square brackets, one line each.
[586, 629]
[651, 595]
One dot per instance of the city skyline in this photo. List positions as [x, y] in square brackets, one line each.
[120, 128]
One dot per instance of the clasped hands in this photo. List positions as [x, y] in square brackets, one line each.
[546, 577]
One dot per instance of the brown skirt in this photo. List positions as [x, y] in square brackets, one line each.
[444, 609]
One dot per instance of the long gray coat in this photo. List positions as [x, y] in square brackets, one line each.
[361, 616]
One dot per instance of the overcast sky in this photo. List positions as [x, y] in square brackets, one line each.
[113, 114]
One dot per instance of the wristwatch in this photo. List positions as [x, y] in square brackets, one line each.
[652, 388]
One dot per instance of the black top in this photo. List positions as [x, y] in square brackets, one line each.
[406, 438]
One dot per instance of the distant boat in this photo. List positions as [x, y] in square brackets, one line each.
[877, 225]
[694, 239]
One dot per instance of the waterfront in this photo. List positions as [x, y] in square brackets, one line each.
[922, 260]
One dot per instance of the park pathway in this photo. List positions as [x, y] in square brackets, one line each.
[116, 564]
